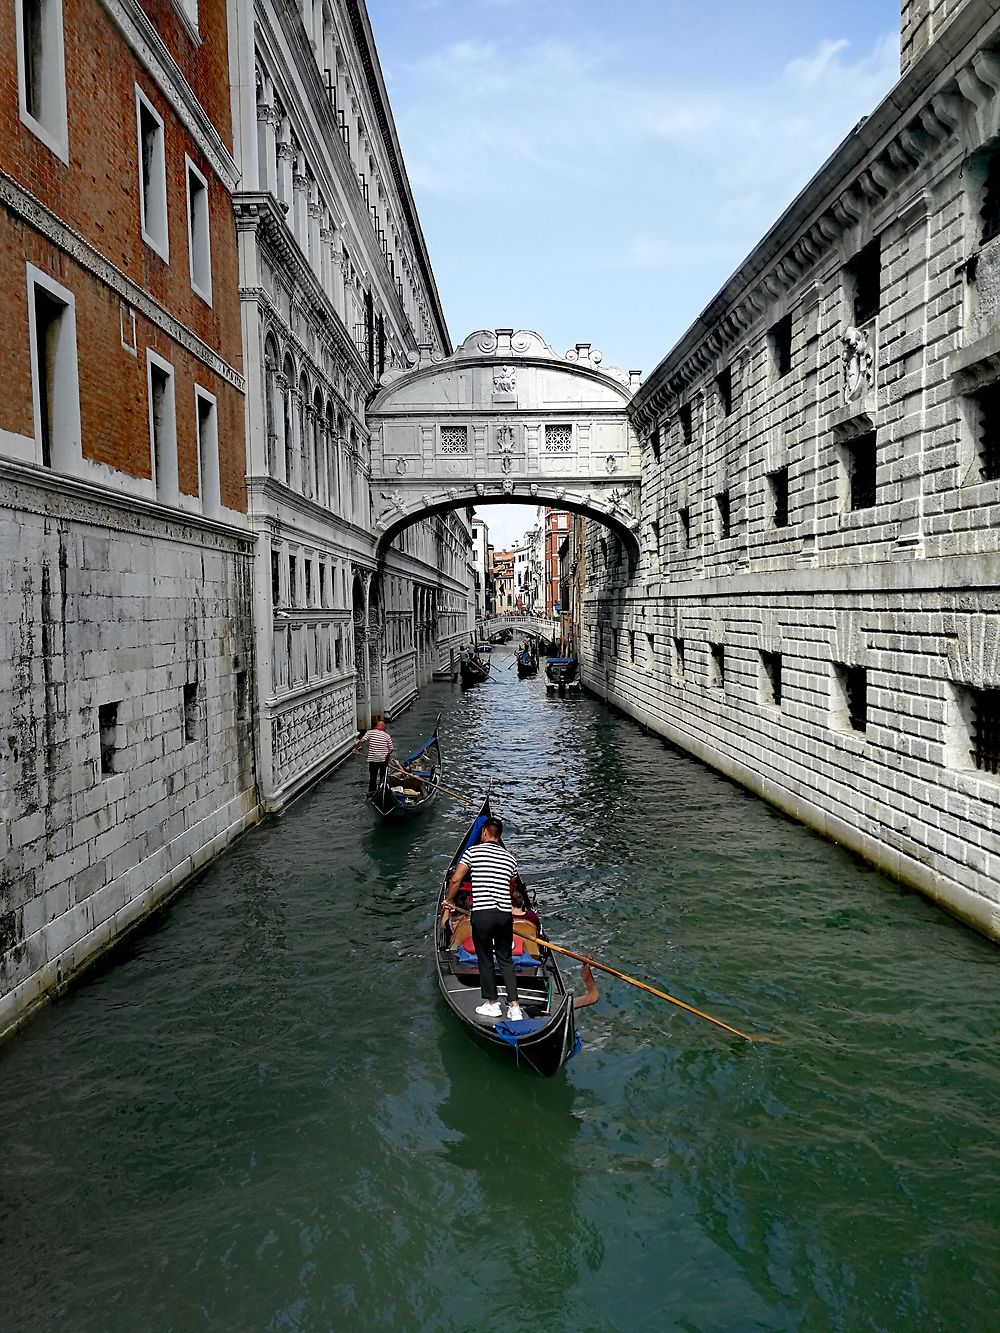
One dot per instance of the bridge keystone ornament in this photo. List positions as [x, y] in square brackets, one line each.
[514, 399]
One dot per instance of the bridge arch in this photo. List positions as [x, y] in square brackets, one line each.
[504, 420]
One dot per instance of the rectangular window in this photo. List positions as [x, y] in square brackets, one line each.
[275, 577]
[162, 428]
[865, 274]
[454, 439]
[107, 725]
[190, 712]
[724, 386]
[990, 209]
[723, 528]
[987, 423]
[241, 696]
[55, 376]
[558, 438]
[308, 566]
[152, 176]
[770, 678]
[860, 461]
[654, 443]
[686, 415]
[684, 520]
[779, 341]
[208, 451]
[293, 580]
[777, 482]
[41, 72]
[717, 666]
[199, 234]
[851, 696]
[678, 661]
[982, 710]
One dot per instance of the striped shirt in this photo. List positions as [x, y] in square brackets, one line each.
[379, 746]
[491, 868]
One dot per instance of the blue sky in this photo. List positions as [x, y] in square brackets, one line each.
[595, 171]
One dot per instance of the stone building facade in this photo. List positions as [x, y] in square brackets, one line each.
[815, 610]
[336, 288]
[126, 665]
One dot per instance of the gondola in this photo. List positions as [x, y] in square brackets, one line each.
[545, 1038]
[475, 669]
[527, 664]
[401, 796]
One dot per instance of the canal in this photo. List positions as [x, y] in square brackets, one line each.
[259, 1114]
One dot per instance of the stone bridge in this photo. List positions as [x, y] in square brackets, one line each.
[505, 419]
[520, 623]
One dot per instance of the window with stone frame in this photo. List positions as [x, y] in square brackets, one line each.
[107, 726]
[717, 666]
[777, 482]
[275, 577]
[850, 702]
[41, 71]
[684, 522]
[724, 387]
[980, 710]
[864, 275]
[860, 457]
[779, 342]
[558, 438]
[989, 210]
[454, 439]
[723, 523]
[686, 416]
[678, 662]
[986, 426]
[770, 678]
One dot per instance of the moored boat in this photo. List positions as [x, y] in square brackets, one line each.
[545, 1038]
[411, 785]
[527, 664]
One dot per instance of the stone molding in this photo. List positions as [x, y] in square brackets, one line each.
[37, 490]
[30, 210]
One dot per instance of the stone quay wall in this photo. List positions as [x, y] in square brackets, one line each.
[815, 611]
[126, 698]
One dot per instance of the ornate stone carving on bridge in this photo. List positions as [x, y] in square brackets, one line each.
[505, 380]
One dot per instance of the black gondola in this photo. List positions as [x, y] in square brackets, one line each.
[527, 663]
[475, 668]
[403, 795]
[545, 1038]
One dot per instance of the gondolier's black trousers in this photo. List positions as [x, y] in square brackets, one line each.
[493, 933]
[376, 772]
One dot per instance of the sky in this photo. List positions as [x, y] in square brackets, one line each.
[596, 171]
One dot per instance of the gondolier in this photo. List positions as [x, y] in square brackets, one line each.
[493, 871]
[379, 749]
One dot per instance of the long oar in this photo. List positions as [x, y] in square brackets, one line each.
[439, 787]
[661, 994]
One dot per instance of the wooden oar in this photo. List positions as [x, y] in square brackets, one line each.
[661, 994]
[437, 786]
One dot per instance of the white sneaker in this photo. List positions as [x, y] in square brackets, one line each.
[489, 1009]
[514, 1013]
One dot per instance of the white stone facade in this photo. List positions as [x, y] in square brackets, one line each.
[127, 751]
[336, 289]
[817, 611]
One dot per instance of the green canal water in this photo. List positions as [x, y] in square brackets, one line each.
[259, 1114]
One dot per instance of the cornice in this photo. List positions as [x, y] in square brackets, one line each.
[32, 211]
[39, 490]
[149, 47]
[947, 101]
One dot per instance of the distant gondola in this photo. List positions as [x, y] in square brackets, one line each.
[546, 1037]
[476, 668]
[403, 795]
[527, 663]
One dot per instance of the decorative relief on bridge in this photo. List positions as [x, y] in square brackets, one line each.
[505, 380]
[611, 463]
[558, 439]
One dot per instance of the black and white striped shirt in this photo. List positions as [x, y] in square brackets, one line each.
[491, 867]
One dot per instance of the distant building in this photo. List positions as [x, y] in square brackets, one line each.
[556, 523]
[502, 574]
[480, 565]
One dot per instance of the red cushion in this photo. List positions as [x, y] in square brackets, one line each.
[518, 945]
